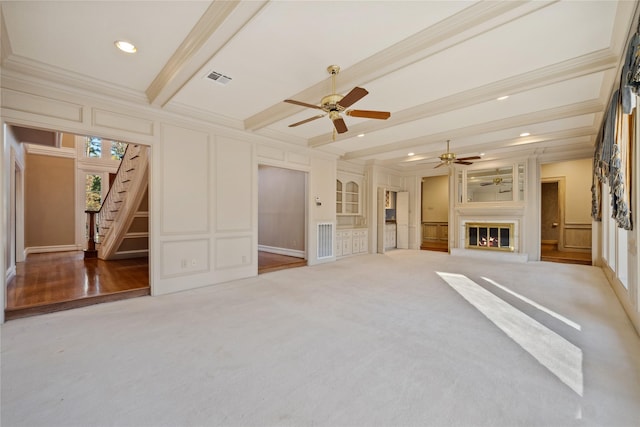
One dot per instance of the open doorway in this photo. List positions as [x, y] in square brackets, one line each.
[50, 229]
[435, 214]
[282, 218]
[561, 240]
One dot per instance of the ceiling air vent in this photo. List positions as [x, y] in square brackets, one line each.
[219, 77]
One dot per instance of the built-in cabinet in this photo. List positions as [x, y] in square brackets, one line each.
[348, 196]
[390, 232]
[351, 242]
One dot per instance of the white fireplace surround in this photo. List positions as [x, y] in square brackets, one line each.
[489, 215]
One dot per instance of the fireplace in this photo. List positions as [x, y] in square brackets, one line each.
[489, 236]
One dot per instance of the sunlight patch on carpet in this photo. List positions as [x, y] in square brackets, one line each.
[551, 313]
[555, 353]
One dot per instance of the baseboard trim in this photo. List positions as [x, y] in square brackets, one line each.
[282, 251]
[11, 273]
[47, 249]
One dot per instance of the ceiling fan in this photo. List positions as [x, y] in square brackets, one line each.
[334, 104]
[496, 181]
[449, 158]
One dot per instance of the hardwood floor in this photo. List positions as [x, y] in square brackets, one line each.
[272, 262]
[50, 282]
[552, 254]
[548, 253]
[435, 245]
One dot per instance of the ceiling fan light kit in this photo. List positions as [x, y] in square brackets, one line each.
[449, 158]
[334, 104]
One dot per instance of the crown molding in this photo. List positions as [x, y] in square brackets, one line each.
[24, 69]
[203, 115]
[469, 22]
[5, 43]
[45, 150]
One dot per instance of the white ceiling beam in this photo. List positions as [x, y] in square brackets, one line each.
[222, 19]
[587, 64]
[464, 25]
[578, 109]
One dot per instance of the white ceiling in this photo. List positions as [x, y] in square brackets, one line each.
[437, 66]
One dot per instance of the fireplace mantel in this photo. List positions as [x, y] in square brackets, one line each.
[492, 210]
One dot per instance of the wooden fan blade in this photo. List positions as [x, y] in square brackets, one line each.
[440, 164]
[461, 162]
[356, 94]
[306, 120]
[381, 115]
[303, 104]
[470, 158]
[340, 125]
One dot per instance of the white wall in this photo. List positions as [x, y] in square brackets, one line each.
[203, 180]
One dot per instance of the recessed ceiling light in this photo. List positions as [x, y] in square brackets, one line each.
[360, 135]
[411, 154]
[125, 46]
[525, 134]
[502, 98]
[481, 154]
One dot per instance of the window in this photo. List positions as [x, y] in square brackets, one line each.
[93, 147]
[93, 192]
[96, 148]
[117, 150]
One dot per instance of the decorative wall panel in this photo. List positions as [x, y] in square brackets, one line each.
[113, 120]
[185, 174]
[234, 185]
[184, 257]
[577, 236]
[40, 105]
[233, 252]
[270, 153]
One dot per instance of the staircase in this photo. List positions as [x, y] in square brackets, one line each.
[123, 220]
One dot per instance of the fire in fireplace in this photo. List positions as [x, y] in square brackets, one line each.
[489, 236]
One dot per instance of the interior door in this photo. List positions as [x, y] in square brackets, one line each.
[381, 221]
[402, 220]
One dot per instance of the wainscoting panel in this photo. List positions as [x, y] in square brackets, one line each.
[233, 252]
[435, 231]
[577, 236]
[184, 257]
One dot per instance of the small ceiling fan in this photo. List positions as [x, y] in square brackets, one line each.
[334, 104]
[449, 158]
[496, 181]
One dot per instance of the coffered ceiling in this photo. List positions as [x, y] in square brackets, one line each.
[439, 67]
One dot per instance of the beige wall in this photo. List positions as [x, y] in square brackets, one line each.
[68, 140]
[577, 174]
[281, 208]
[50, 202]
[435, 199]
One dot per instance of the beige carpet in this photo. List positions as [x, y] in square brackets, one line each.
[372, 340]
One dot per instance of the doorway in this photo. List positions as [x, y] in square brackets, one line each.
[47, 234]
[552, 225]
[282, 218]
[435, 213]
